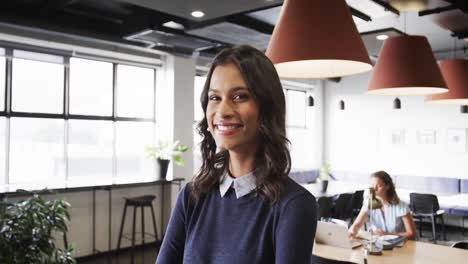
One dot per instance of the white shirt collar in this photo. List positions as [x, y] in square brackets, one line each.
[242, 185]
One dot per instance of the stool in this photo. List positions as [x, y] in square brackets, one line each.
[142, 202]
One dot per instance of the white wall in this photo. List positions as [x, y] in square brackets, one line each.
[307, 143]
[175, 119]
[359, 138]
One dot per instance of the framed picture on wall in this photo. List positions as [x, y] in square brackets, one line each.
[398, 137]
[456, 140]
[426, 137]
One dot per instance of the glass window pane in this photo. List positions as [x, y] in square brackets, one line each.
[89, 152]
[90, 87]
[296, 108]
[199, 83]
[37, 152]
[2, 150]
[2, 82]
[135, 91]
[37, 86]
[131, 139]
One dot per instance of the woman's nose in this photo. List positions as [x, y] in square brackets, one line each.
[225, 109]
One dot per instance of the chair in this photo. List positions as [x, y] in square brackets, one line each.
[427, 205]
[321, 260]
[325, 207]
[461, 245]
[341, 206]
[355, 205]
[138, 202]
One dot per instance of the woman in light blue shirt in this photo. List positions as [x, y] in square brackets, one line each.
[394, 218]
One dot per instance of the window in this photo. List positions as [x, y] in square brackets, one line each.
[135, 91]
[2, 149]
[199, 83]
[90, 150]
[37, 83]
[2, 79]
[90, 87]
[131, 139]
[296, 108]
[198, 116]
[87, 147]
[37, 151]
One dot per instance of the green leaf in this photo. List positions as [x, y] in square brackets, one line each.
[178, 160]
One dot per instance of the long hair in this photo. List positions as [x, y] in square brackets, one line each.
[272, 160]
[392, 196]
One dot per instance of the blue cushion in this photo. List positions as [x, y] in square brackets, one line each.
[308, 176]
[459, 210]
[437, 185]
[464, 185]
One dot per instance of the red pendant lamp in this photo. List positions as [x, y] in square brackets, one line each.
[317, 39]
[455, 73]
[406, 66]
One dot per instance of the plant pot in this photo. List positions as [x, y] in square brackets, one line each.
[163, 166]
[324, 186]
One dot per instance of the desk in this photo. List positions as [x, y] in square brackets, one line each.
[411, 252]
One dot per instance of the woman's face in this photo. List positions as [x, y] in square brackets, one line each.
[380, 187]
[232, 113]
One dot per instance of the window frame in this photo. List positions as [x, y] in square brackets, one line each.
[304, 126]
[65, 115]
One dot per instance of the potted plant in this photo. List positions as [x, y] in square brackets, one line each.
[324, 176]
[164, 152]
[26, 229]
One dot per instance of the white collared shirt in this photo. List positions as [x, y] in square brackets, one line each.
[242, 185]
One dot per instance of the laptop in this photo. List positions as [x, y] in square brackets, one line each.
[334, 235]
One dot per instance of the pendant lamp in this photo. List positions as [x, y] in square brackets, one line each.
[464, 109]
[317, 39]
[342, 105]
[311, 100]
[406, 66]
[455, 73]
[397, 103]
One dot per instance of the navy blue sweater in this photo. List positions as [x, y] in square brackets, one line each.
[246, 230]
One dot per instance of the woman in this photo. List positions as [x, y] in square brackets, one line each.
[242, 207]
[394, 218]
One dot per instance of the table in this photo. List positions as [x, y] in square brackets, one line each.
[411, 252]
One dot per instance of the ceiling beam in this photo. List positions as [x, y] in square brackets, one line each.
[387, 6]
[359, 14]
[252, 23]
[437, 10]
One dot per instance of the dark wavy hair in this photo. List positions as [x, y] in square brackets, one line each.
[392, 196]
[272, 160]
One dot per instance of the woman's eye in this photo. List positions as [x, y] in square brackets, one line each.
[240, 97]
[213, 98]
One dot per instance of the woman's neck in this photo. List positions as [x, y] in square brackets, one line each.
[241, 163]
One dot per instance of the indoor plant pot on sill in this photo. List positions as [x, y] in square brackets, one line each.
[164, 152]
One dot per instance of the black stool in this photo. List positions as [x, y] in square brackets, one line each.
[142, 202]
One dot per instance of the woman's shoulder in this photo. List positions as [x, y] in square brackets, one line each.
[295, 193]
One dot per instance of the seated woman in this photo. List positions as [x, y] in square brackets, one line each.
[394, 218]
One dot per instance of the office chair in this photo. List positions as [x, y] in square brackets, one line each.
[427, 205]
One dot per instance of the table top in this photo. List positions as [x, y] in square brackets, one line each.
[411, 252]
[10, 190]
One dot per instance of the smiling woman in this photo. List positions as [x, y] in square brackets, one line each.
[242, 207]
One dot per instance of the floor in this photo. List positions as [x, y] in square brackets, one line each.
[148, 254]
